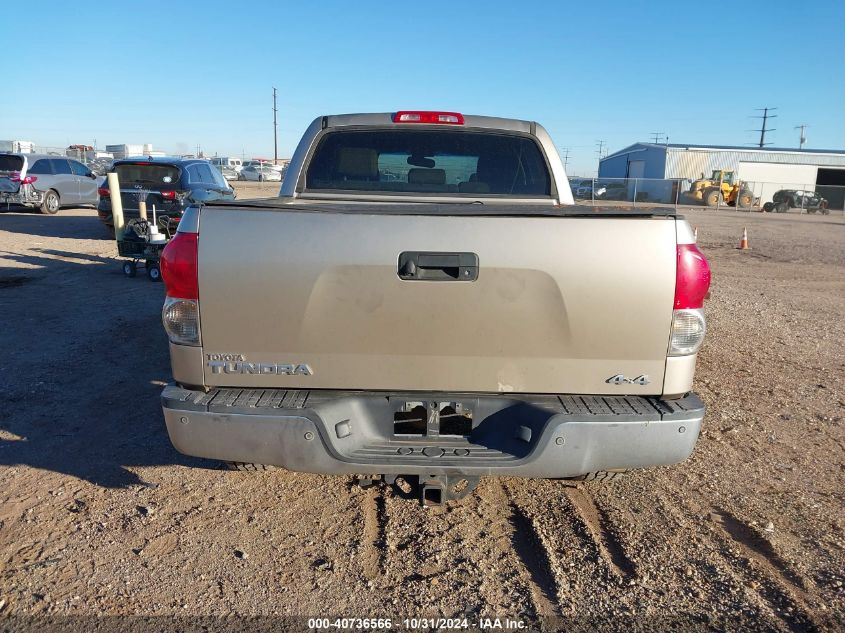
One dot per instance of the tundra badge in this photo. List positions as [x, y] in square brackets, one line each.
[242, 367]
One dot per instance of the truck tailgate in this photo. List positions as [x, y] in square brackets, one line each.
[560, 304]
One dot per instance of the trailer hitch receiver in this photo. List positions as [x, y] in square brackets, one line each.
[435, 490]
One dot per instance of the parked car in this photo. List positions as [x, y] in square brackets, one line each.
[266, 163]
[46, 182]
[100, 166]
[612, 191]
[229, 173]
[576, 183]
[168, 184]
[226, 161]
[261, 172]
[787, 199]
[590, 189]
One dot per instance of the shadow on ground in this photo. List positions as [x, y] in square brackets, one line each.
[84, 362]
[67, 223]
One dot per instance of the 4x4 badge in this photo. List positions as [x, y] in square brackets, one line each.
[619, 379]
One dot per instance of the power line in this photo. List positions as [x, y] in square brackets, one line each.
[803, 137]
[766, 116]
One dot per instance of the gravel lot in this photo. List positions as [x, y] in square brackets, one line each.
[100, 516]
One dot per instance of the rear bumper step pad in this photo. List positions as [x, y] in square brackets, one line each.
[348, 432]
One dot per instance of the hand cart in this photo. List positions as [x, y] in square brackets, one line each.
[139, 244]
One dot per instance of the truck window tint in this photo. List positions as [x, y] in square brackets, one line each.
[453, 162]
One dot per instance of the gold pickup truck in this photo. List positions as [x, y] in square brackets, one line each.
[423, 300]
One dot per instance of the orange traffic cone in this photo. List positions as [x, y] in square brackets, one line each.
[743, 243]
[695, 233]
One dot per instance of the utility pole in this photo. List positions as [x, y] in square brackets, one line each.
[766, 116]
[600, 150]
[803, 138]
[565, 157]
[275, 132]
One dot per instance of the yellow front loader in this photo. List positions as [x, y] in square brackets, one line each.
[721, 187]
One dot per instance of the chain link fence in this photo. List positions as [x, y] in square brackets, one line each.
[745, 196]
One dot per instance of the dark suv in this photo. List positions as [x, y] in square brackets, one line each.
[168, 184]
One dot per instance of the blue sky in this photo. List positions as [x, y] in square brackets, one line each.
[182, 74]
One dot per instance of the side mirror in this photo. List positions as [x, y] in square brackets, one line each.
[91, 175]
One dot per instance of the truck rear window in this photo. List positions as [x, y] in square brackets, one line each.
[151, 175]
[453, 162]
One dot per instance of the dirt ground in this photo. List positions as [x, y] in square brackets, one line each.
[100, 516]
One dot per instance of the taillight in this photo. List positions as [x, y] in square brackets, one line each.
[26, 180]
[103, 192]
[179, 266]
[692, 277]
[418, 116]
[692, 281]
[180, 314]
[688, 330]
[181, 320]
[168, 195]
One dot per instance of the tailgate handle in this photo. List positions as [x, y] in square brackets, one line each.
[431, 266]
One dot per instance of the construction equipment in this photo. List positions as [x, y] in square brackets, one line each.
[721, 188]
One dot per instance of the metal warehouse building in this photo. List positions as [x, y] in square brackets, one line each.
[769, 168]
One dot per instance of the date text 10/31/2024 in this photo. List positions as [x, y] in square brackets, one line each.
[493, 624]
